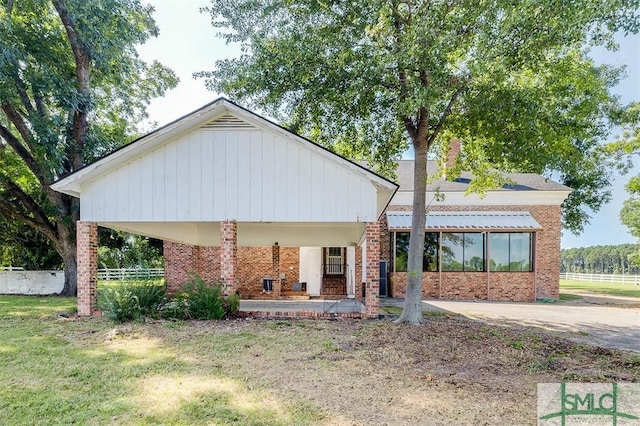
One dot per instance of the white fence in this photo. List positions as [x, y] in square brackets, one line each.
[129, 274]
[602, 278]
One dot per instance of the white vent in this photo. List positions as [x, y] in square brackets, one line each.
[228, 122]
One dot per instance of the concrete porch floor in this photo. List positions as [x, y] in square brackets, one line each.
[342, 306]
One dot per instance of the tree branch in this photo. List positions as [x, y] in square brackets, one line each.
[19, 149]
[82, 57]
[9, 210]
[440, 124]
[25, 133]
[22, 92]
[28, 202]
[40, 107]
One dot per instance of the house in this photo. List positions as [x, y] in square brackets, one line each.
[502, 246]
[271, 215]
[240, 200]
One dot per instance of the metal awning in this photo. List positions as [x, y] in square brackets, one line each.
[468, 220]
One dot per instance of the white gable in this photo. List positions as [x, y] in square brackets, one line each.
[221, 171]
[225, 163]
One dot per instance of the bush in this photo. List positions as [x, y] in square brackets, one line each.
[232, 304]
[196, 300]
[202, 301]
[130, 302]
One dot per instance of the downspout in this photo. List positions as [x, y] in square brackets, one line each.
[440, 265]
[535, 266]
[488, 264]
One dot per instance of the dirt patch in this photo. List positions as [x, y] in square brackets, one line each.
[450, 370]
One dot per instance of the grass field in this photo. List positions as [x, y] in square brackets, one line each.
[630, 290]
[56, 368]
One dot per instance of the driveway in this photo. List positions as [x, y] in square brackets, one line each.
[612, 322]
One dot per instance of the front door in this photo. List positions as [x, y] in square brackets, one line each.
[311, 269]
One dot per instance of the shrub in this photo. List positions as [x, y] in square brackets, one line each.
[204, 301]
[199, 300]
[130, 302]
[232, 304]
[196, 300]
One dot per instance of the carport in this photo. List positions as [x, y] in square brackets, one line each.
[224, 176]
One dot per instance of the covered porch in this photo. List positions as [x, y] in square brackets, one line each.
[223, 180]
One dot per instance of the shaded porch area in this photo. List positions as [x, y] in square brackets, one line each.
[329, 281]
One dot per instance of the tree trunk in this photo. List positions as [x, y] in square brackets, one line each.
[70, 272]
[65, 245]
[412, 312]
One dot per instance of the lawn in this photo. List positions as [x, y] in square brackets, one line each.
[58, 369]
[629, 290]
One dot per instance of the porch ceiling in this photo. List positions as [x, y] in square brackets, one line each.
[256, 234]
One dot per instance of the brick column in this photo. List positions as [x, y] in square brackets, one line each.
[372, 302]
[229, 255]
[87, 274]
[358, 273]
[275, 261]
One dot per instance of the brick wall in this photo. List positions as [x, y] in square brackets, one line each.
[511, 286]
[183, 261]
[254, 263]
[290, 266]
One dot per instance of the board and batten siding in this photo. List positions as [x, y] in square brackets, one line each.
[248, 175]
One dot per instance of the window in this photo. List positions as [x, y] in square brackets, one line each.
[400, 251]
[463, 251]
[510, 251]
[334, 261]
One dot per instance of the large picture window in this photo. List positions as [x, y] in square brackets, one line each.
[467, 251]
[510, 251]
[400, 251]
[463, 251]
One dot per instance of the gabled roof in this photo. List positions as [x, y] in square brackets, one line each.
[218, 113]
[524, 181]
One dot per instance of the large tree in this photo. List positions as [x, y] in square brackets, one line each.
[509, 78]
[72, 89]
[627, 148]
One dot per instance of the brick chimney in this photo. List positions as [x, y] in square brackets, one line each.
[455, 146]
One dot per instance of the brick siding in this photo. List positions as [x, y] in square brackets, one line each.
[544, 282]
[182, 261]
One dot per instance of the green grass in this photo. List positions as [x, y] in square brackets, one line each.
[60, 370]
[629, 290]
[569, 296]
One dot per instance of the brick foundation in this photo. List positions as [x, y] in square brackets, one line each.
[87, 252]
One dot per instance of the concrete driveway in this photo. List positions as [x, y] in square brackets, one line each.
[606, 321]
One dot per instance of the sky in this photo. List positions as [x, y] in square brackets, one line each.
[187, 44]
